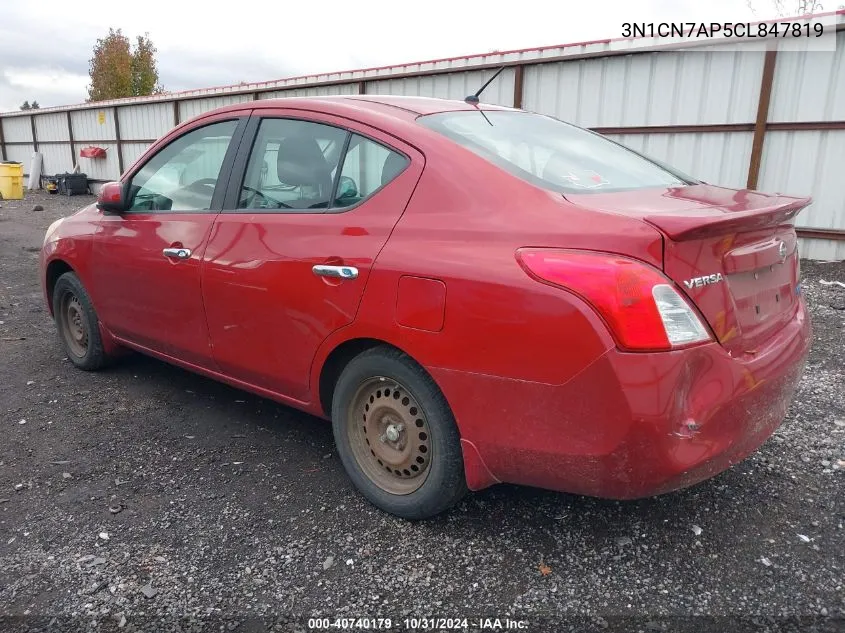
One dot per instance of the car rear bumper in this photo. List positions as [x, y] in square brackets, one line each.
[629, 425]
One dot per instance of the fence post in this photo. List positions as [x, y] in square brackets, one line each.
[70, 140]
[518, 79]
[119, 141]
[34, 135]
[2, 142]
[762, 118]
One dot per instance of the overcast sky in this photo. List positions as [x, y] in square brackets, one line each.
[45, 45]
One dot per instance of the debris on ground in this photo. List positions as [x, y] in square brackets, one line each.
[126, 437]
[831, 283]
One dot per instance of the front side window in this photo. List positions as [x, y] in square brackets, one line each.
[292, 165]
[550, 153]
[183, 175]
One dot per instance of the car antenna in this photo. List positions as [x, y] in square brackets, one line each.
[473, 99]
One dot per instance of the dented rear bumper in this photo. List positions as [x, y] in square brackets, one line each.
[629, 425]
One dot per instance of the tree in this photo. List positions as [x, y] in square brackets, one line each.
[117, 71]
[785, 8]
[144, 70]
[26, 106]
[35, 106]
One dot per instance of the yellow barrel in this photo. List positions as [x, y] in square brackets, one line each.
[11, 181]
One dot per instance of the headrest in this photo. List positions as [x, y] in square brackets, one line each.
[300, 162]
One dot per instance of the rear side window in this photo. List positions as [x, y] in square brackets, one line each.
[292, 165]
[302, 165]
[367, 167]
[550, 153]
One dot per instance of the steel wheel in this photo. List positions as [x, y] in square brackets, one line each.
[74, 325]
[389, 435]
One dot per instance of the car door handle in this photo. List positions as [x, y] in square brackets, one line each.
[341, 272]
[177, 253]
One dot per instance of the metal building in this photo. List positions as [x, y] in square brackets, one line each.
[747, 117]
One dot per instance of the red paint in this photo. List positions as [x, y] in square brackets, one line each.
[544, 389]
[421, 303]
[477, 475]
[145, 297]
[110, 194]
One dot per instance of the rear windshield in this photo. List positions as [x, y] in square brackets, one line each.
[552, 154]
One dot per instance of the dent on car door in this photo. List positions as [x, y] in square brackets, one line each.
[309, 206]
[147, 260]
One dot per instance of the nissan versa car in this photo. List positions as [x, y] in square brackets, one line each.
[471, 294]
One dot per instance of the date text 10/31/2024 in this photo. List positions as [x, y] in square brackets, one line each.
[418, 624]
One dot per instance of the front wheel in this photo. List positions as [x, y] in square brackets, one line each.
[396, 435]
[77, 323]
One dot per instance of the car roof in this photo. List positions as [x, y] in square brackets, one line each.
[393, 106]
[423, 105]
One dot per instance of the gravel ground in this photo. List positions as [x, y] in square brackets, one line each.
[147, 498]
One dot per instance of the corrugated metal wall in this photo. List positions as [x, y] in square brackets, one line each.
[666, 88]
[93, 125]
[451, 86]
[716, 157]
[195, 107]
[316, 91]
[145, 122]
[51, 127]
[810, 87]
[131, 153]
[16, 129]
[695, 110]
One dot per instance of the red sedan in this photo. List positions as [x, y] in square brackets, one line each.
[472, 294]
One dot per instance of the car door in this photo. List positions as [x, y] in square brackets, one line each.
[146, 260]
[310, 205]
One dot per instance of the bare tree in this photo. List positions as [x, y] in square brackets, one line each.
[784, 8]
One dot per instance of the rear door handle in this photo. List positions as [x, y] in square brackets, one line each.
[341, 272]
[177, 253]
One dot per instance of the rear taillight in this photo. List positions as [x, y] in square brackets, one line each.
[639, 304]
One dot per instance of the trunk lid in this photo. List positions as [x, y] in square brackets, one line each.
[733, 253]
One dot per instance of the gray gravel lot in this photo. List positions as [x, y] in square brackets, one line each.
[147, 498]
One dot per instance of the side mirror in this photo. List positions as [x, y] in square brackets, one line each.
[347, 188]
[110, 199]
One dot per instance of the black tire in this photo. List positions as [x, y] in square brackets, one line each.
[444, 483]
[70, 297]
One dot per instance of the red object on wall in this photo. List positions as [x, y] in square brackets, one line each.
[92, 152]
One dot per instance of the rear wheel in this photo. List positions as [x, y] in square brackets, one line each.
[396, 435]
[77, 323]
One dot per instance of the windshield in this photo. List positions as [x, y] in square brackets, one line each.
[552, 154]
